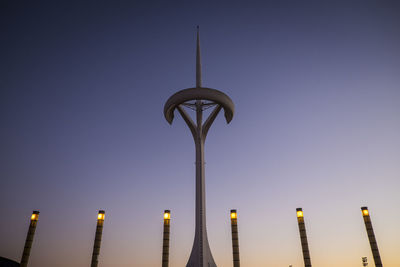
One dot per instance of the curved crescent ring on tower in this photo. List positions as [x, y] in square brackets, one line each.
[199, 93]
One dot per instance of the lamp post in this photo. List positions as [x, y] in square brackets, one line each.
[235, 239]
[165, 254]
[29, 238]
[371, 236]
[303, 237]
[97, 239]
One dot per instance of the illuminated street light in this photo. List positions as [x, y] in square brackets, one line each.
[165, 253]
[233, 214]
[235, 239]
[371, 236]
[97, 239]
[303, 237]
[167, 215]
[29, 238]
[299, 212]
[100, 215]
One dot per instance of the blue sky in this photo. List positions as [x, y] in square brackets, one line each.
[316, 90]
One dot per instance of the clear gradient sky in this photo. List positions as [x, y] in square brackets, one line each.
[316, 86]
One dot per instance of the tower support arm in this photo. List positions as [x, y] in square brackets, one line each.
[202, 93]
[188, 120]
[210, 120]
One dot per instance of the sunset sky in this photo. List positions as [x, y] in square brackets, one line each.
[316, 87]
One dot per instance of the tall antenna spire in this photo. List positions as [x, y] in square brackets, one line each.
[198, 60]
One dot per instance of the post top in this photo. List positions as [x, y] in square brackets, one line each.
[299, 209]
[167, 214]
[365, 211]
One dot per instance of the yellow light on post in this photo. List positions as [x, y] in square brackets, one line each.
[365, 211]
[100, 215]
[35, 216]
[233, 214]
[299, 214]
[167, 215]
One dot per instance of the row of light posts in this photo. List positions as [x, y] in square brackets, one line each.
[302, 231]
[235, 238]
[31, 234]
[370, 233]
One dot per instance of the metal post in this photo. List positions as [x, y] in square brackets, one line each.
[235, 239]
[371, 237]
[29, 238]
[303, 237]
[97, 239]
[165, 254]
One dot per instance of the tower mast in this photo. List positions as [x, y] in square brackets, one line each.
[201, 253]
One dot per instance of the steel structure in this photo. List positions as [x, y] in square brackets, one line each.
[199, 99]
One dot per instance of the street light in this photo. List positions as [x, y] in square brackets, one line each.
[29, 238]
[299, 213]
[165, 253]
[97, 239]
[167, 215]
[235, 239]
[371, 236]
[303, 237]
